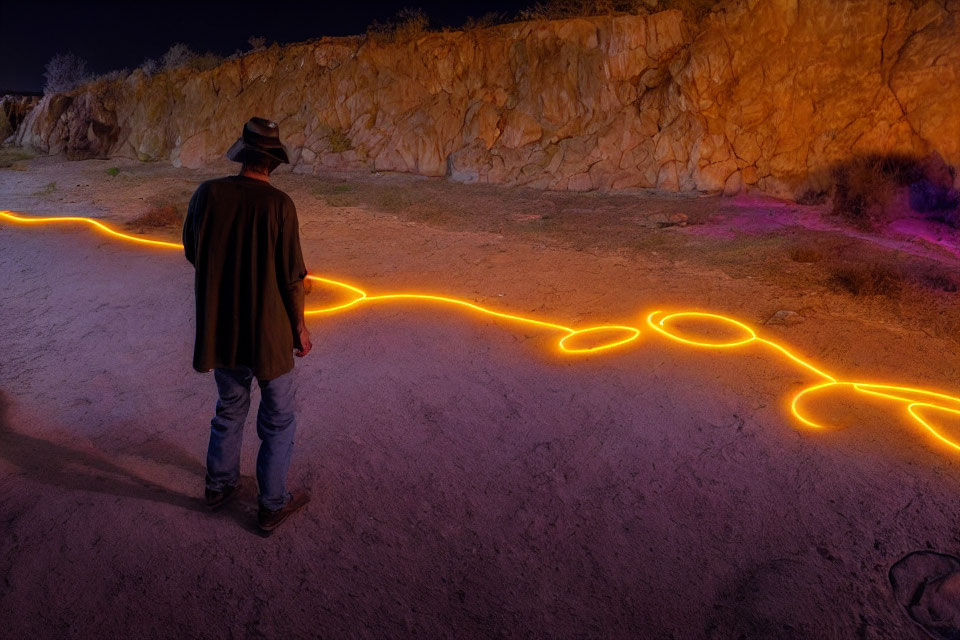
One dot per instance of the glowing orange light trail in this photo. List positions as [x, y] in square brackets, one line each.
[360, 296]
[915, 399]
[9, 215]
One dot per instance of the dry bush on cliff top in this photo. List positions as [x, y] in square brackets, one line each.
[408, 24]
[97, 82]
[149, 66]
[180, 55]
[487, 20]
[64, 72]
[693, 10]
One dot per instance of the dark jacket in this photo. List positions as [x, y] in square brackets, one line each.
[242, 236]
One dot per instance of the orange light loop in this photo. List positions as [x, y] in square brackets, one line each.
[661, 327]
[360, 295]
[631, 334]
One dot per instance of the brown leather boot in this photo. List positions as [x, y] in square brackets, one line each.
[216, 499]
[269, 520]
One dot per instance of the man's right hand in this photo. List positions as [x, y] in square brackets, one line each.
[303, 345]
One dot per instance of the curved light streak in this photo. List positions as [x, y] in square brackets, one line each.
[911, 409]
[632, 333]
[915, 400]
[912, 397]
[661, 328]
[360, 296]
[360, 293]
[9, 215]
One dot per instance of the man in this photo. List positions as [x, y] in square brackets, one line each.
[242, 236]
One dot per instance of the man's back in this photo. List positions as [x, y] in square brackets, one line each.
[242, 236]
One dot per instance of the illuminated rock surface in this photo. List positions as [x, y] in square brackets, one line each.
[768, 94]
[13, 109]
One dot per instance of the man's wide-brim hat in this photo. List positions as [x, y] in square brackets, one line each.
[260, 136]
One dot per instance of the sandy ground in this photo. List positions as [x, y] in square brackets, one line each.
[468, 480]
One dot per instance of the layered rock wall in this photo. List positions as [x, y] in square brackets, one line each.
[765, 93]
[13, 111]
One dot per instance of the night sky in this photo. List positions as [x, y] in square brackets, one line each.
[117, 35]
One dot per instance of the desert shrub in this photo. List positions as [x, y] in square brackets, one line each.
[161, 215]
[408, 24]
[806, 254]
[901, 170]
[411, 23]
[178, 55]
[393, 199]
[337, 194]
[812, 197]
[693, 10]
[487, 20]
[933, 194]
[408, 200]
[950, 217]
[339, 141]
[558, 9]
[257, 43]
[871, 279]
[325, 187]
[864, 186]
[937, 279]
[111, 76]
[928, 196]
[47, 190]
[149, 66]
[204, 61]
[64, 71]
[9, 156]
[113, 171]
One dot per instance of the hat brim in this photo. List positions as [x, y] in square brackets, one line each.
[239, 150]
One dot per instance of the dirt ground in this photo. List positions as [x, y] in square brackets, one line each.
[468, 479]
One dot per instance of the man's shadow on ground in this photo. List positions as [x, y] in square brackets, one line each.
[62, 467]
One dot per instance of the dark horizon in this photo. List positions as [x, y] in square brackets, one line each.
[111, 36]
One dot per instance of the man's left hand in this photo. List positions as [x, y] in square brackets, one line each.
[303, 342]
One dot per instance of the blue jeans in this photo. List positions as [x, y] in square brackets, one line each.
[275, 426]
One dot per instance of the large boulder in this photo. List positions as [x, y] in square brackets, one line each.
[13, 111]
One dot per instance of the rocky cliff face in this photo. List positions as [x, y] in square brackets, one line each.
[766, 93]
[13, 111]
